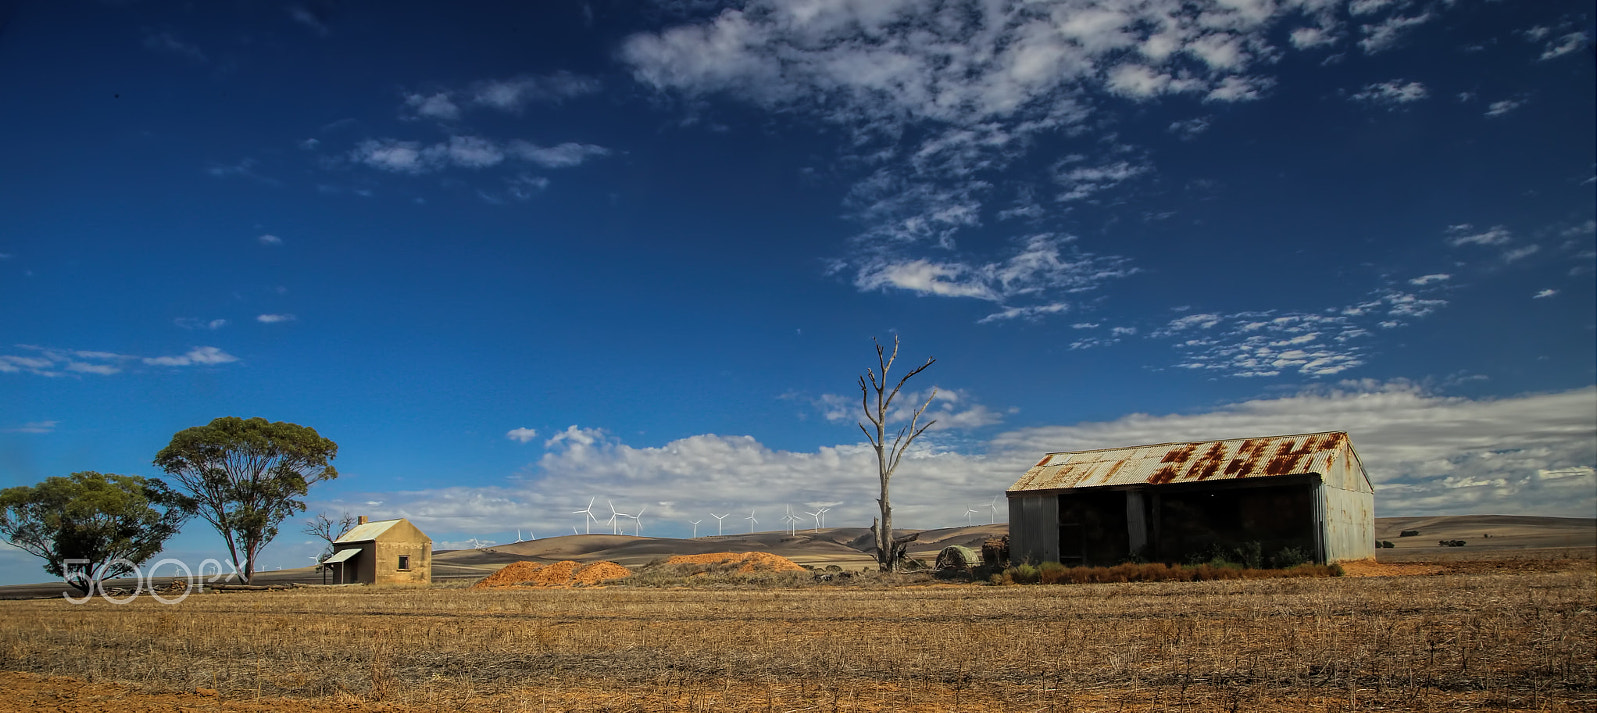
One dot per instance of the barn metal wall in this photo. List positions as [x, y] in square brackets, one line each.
[1035, 522]
[1347, 515]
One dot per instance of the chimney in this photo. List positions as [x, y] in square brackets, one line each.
[362, 520]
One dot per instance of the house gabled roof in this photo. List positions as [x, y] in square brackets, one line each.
[1193, 462]
[369, 531]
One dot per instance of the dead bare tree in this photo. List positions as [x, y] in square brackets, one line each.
[328, 529]
[890, 550]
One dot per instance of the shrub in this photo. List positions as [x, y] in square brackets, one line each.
[1387, 545]
[1024, 574]
[1410, 533]
[1289, 557]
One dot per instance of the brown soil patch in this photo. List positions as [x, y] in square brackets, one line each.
[1376, 569]
[600, 572]
[746, 561]
[510, 575]
[565, 573]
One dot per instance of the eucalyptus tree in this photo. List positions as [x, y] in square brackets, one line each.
[91, 526]
[246, 476]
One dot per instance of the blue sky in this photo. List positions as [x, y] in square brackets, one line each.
[513, 257]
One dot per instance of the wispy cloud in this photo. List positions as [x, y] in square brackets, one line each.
[310, 19]
[192, 323]
[521, 434]
[168, 43]
[198, 356]
[511, 95]
[274, 318]
[942, 103]
[1315, 344]
[1564, 45]
[1544, 293]
[52, 362]
[270, 240]
[1463, 234]
[1391, 93]
[1503, 107]
[469, 152]
[34, 427]
[1386, 35]
[1429, 279]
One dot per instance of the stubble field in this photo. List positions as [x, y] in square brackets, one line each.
[1503, 635]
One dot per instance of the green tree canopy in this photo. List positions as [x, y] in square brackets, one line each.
[106, 524]
[246, 476]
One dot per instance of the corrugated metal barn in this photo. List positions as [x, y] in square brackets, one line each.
[1177, 502]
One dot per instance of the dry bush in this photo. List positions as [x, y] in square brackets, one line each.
[1521, 640]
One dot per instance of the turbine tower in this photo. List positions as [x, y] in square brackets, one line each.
[696, 534]
[588, 516]
[719, 521]
[753, 521]
[969, 514]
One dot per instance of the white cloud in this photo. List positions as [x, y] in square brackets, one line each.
[437, 106]
[1042, 263]
[1190, 128]
[1564, 45]
[390, 155]
[1429, 279]
[195, 356]
[1464, 235]
[470, 152]
[558, 156]
[35, 427]
[1516, 254]
[168, 43]
[521, 434]
[1542, 294]
[1310, 37]
[274, 318]
[1391, 93]
[1502, 107]
[1425, 453]
[270, 240]
[304, 16]
[1387, 34]
[516, 93]
[191, 323]
[1026, 313]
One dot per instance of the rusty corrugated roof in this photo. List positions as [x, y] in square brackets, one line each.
[1186, 462]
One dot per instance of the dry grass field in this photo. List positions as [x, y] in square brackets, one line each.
[1512, 634]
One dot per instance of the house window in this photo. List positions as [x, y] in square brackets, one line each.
[405, 562]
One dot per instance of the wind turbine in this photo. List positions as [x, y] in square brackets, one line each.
[588, 516]
[614, 515]
[637, 522]
[822, 517]
[818, 516]
[696, 524]
[753, 521]
[969, 514]
[719, 521]
[992, 509]
[789, 518]
[478, 544]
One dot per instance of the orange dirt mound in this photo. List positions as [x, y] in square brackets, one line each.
[556, 575]
[510, 575]
[598, 572]
[747, 561]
